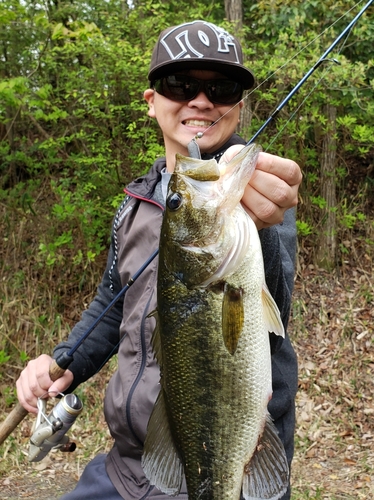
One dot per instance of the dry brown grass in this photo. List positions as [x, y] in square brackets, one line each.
[332, 330]
[332, 324]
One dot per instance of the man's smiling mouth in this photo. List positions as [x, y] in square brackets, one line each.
[198, 123]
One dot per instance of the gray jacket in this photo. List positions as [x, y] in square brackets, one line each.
[127, 329]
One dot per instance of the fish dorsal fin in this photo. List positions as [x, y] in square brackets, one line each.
[267, 474]
[161, 462]
[272, 317]
[232, 317]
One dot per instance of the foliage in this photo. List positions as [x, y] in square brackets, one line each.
[276, 31]
[72, 111]
[331, 329]
[74, 130]
[74, 127]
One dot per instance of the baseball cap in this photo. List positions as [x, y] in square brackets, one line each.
[199, 45]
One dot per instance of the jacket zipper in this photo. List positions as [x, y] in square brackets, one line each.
[142, 343]
[140, 372]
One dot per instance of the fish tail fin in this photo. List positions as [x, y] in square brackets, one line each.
[273, 320]
[267, 474]
[161, 463]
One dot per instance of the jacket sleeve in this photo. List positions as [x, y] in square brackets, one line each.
[279, 251]
[103, 342]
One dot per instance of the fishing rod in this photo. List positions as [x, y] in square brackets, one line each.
[60, 364]
[321, 60]
[193, 147]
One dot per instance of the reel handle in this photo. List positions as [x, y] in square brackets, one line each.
[18, 413]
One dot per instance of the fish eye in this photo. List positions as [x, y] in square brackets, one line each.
[174, 201]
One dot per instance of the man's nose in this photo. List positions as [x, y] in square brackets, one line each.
[201, 101]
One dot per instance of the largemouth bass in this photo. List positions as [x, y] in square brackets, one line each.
[210, 421]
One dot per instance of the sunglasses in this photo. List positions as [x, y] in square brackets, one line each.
[183, 88]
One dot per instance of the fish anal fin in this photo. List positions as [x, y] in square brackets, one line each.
[161, 462]
[272, 317]
[232, 317]
[267, 475]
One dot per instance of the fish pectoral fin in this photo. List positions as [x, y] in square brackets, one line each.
[160, 461]
[232, 317]
[156, 339]
[267, 474]
[272, 317]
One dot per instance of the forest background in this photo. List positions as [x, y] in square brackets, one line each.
[74, 131]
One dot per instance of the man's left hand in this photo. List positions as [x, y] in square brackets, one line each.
[272, 189]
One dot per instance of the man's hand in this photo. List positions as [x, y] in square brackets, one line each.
[34, 382]
[272, 188]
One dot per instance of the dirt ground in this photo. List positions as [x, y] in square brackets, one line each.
[332, 328]
[48, 480]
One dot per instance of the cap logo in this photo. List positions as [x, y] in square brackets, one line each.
[181, 43]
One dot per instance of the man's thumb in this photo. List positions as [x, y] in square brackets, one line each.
[61, 384]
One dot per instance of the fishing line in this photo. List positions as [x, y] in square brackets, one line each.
[296, 110]
[249, 93]
[67, 356]
[111, 354]
[116, 347]
[332, 61]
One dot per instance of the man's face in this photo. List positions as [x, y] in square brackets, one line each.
[181, 121]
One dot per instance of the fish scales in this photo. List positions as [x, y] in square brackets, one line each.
[211, 341]
[213, 410]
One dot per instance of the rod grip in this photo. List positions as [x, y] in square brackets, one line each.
[12, 420]
[18, 413]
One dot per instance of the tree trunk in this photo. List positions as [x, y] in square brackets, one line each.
[326, 250]
[234, 12]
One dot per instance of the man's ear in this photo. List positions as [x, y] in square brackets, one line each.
[149, 96]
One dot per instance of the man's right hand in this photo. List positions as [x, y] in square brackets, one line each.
[34, 382]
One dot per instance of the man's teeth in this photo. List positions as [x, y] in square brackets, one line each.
[198, 123]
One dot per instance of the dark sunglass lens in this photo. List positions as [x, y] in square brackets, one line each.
[180, 88]
[224, 91]
[184, 88]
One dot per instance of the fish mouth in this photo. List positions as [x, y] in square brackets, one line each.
[198, 123]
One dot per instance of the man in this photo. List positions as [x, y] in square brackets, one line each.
[197, 79]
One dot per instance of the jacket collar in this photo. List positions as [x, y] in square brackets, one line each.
[144, 186]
